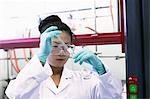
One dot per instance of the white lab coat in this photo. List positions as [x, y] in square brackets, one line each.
[35, 82]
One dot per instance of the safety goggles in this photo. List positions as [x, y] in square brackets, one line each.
[59, 49]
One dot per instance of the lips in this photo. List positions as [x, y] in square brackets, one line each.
[60, 59]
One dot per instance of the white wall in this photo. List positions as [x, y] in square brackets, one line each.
[3, 66]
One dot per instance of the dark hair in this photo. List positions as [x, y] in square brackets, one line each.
[54, 20]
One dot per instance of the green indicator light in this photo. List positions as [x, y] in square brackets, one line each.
[133, 88]
[133, 96]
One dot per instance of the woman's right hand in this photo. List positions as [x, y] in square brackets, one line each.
[46, 42]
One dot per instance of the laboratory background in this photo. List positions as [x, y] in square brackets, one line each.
[117, 31]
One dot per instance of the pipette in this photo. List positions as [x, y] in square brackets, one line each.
[65, 47]
[62, 42]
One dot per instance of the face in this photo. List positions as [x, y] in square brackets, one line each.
[59, 55]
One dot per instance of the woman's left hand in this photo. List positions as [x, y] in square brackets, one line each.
[89, 57]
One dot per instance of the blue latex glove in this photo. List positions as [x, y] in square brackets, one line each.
[45, 42]
[89, 57]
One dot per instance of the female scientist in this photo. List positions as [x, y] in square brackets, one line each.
[46, 75]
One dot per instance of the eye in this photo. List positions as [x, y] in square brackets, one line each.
[70, 46]
[55, 46]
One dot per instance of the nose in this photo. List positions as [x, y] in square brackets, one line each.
[62, 52]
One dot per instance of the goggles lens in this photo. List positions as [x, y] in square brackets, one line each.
[59, 49]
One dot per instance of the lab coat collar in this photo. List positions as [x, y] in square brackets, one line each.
[65, 80]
